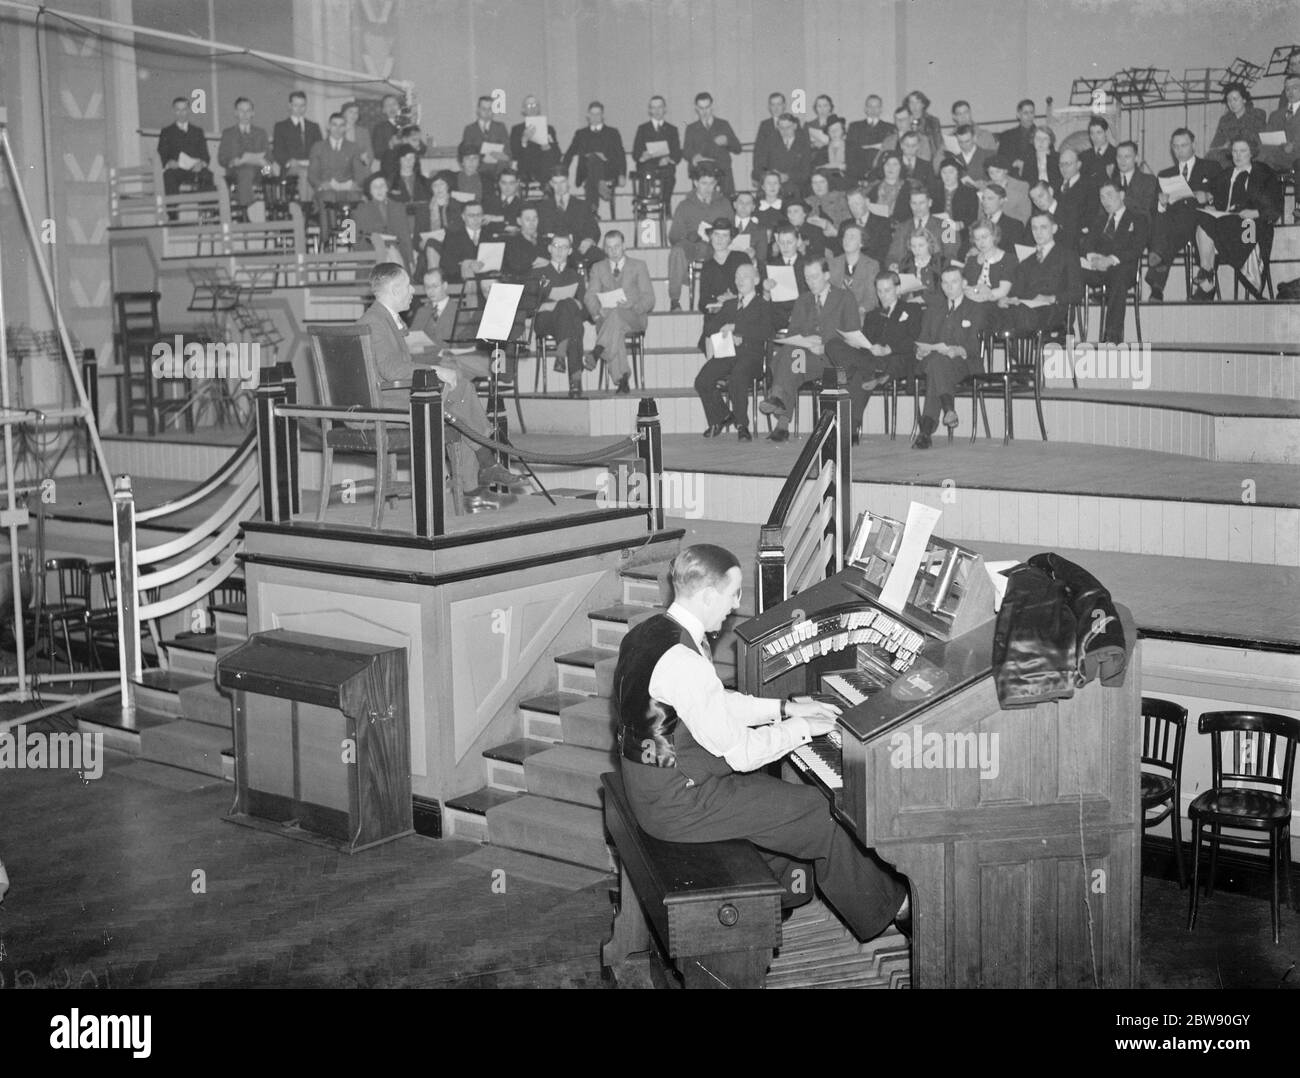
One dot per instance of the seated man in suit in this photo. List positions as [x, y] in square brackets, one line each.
[1049, 279]
[688, 233]
[902, 127]
[386, 129]
[1285, 118]
[182, 137]
[1173, 225]
[1097, 162]
[658, 130]
[526, 249]
[460, 262]
[244, 152]
[501, 206]
[993, 202]
[747, 318]
[561, 318]
[1111, 245]
[291, 143]
[864, 138]
[1076, 200]
[972, 155]
[628, 315]
[565, 214]
[1015, 190]
[710, 140]
[1016, 146]
[766, 137]
[948, 350]
[921, 220]
[916, 168]
[787, 254]
[534, 158]
[746, 223]
[335, 168]
[790, 156]
[379, 216]
[981, 136]
[855, 270]
[818, 317]
[1140, 188]
[602, 161]
[486, 128]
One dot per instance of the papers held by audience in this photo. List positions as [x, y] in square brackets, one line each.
[490, 148]
[786, 289]
[855, 338]
[184, 160]
[909, 282]
[564, 292]
[658, 148]
[724, 345]
[1024, 252]
[1175, 187]
[537, 130]
[742, 243]
[612, 299]
[490, 255]
[1272, 138]
[463, 196]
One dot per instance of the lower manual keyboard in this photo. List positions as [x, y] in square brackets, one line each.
[822, 759]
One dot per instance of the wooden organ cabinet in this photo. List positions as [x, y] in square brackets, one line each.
[322, 741]
[1020, 830]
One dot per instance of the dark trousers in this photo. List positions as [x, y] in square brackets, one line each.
[1170, 232]
[785, 820]
[859, 365]
[174, 177]
[786, 380]
[739, 373]
[943, 374]
[1026, 320]
[565, 325]
[1115, 283]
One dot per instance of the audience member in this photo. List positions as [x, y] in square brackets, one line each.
[293, 139]
[989, 269]
[710, 139]
[1241, 119]
[526, 249]
[334, 168]
[1285, 159]
[180, 137]
[535, 153]
[949, 352]
[1043, 285]
[487, 129]
[993, 209]
[244, 152]
[384, 222]
[386, 129]
[1174, 224]
[688, 233]
[1097, 162]
[1140, 188]
[568, 215]
[718, 273]
[1249, 194]
[1112, 245]
[616, 316]
[1016, 146]
[658, 130]
[747, 319]
[854, 269]
[357, 135]
[1016, 191]
[984, 138]
[1043, 164]
[561, 318]
[864, 139]
[971, 154]
[766, 138]
[602, 161]
[460, 261]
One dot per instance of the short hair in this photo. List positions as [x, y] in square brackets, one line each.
[559, 236]
[787, 117]
[1244, 141]
[997, 189]
[298, 95]
[1182, 131]
[243, 101]
[1130, 144]
[1098, 121]
[433, 268]
[658, 97]
[787, 229]
[614, 233]
[1023, 102]
[999, 163]
[824, 97]
[746, 194]
[1044, 214]
[506, 172]
[770, 172]
[1043, 185]
[481, 99]
[909, 135]
[951, 162]
[888, 155]
[701, 566]
[923, 234]
[819, 173]
[914, 189]
[889, 275]
[1051, 135]
[960, 103]
[596, 105]
[925, 101]
[1115, 186]
[950, 268]
[776, 94]
[467, 149]
[336, 116]
[407, 131]
[350, 105]
[370, 182]
[704, 95]
[472, 204]
[797, 204]
[818, 260]
[178, 100]
[1237, 87]
[705, 170]
[964, 129]
[383, 274]
[903, 109]
[852, 226]
[383, 100]
[991, 227]
[874, 97]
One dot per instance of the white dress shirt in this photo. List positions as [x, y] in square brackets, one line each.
[746, 731]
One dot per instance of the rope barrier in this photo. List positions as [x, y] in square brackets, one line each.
[601, 456]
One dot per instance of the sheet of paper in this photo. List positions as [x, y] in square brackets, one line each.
[1024, 253]
[259, 158]
[909, 282]
[950, 144]
[874, 146]
[818, 137]
[1036, 301]
[879, 209]
[612, 299]
[855, 338]
[742, 243]
[499, 312]
[796, 340]
[1213, 212]
[419, 341]
[724, 345]
[1272, 138]
[537, 130]
[658, 148]
[997, 571]
[490, 254]
[489, 148]
[436, 235]
[786, 289]
[921, 520]
[463, 196]
[565, 291]
[185, 160]
[1175, 187]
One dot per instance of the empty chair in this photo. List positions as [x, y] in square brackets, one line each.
[1255, 752]
[1164, 729]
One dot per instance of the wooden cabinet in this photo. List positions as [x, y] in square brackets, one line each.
[322, 743]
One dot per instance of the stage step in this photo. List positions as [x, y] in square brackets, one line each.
[198, 652]
[231, 620]
[541, 714]
[121, 730]
[589, 724]
[1225, 322]
[610, 625]
[643, 586]
[556, 829]
[465, 817]
[159, 690]
[577, 670]
[194, 746]
[206, 704]
[505, 763]
[569, 773]
[1217, 370]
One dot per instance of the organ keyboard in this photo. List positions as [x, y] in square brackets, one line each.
[978, 807]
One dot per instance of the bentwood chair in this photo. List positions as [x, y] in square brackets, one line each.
[1164, 729]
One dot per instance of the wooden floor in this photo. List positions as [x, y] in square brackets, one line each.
[106, 890]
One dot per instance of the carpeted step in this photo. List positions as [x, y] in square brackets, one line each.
[207, 704]
[504, 763]
[577, 670]
[541, 714]
[197, 653]
[557, 829]
[589, 724]
[610, 624]
[465, 816]
[194, 746]
[568, 773]
[159, 690]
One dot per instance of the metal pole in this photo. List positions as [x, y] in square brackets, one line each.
[128, 609]
[650, 450]
[12, 515]
[427, 452]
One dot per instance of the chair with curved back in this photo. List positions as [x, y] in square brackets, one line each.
[347, 378]
[1021, 373]
[1251, 794]
[1164, 729]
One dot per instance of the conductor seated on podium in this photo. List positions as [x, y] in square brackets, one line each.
[476, 465]
[691, 753]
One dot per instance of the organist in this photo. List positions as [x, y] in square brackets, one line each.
[691, 752]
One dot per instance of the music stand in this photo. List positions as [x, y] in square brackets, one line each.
[1083, 91]
[1280, 63]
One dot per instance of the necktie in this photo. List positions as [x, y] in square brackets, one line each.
[1238, 189]
[1110, 226]
[618, 272]
[1041, 254]
[1123, 182]
[1185, 171]
[951, 306]
[243, 130]
[821, 301]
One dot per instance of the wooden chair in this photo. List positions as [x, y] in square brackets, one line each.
[1134, 294]
[65, 610]
[1261, 750]
[635, 343]
[1022, 372]
[1164, 728]
[347, 377]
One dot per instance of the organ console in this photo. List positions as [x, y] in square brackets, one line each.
[1019, 831]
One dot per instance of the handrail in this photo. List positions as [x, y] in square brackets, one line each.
[196, 534]
[163, 607]
[798, 474]
[238, 458]
[201, 556]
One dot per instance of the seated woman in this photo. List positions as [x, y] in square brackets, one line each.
[922, 261]
[441, 213]
[771, 208]
[989, 269]
[353, 132]
[837, 153]
[883, 194]
[927, 126]
[384, 223]
[1045, 165]
[1240, 120]
[956, 200]
[718, 274]
[819, 129]
[408, 183]
[1249, 191]
[827, 208]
